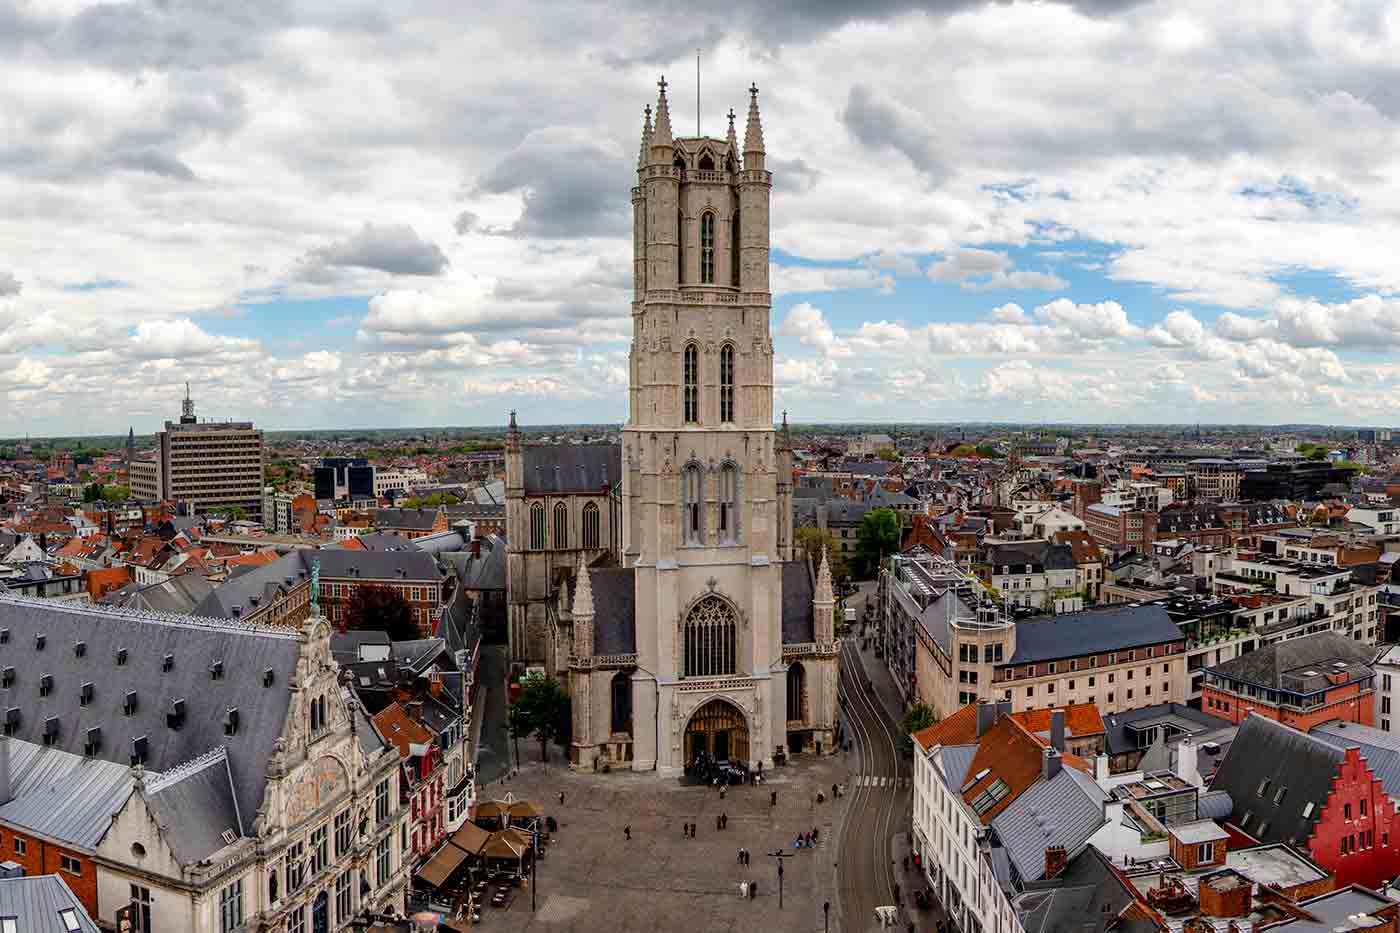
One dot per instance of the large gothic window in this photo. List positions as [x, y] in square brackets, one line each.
[621, 702]
[692, 384]
[561, 526]
[726, 383]
[710, 632]
[707, 248]
[692, 502]
[591, 534]
[537, 526]
[734, 251]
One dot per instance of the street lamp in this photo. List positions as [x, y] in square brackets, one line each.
[826, 916]
[779, 854]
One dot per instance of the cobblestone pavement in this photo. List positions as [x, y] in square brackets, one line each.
[594, 879]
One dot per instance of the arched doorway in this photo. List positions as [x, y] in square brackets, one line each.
[321, 914]
[719, 730]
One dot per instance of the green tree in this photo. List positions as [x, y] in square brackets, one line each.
[116, 493]
[886, 453]
[812, 541]
[92, 492]
[373, 607]
[917, 718]
[542, 710]
[877, 537]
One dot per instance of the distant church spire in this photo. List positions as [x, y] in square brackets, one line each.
[646, 138]
[753, 134]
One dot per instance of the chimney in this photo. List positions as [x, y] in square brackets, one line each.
[6, 795]
[1003, 708]
[1055, 860]
[476, 548]
[1057, 730]
[415, 710]
[987, 716]
[1050, 763]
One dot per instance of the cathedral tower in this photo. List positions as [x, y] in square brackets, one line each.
[707, 478]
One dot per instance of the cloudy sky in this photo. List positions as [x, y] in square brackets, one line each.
[330, 213]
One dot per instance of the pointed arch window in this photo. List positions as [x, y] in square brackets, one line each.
[561, 526]
[537, 526]
[707, 248]
[797, 692]
[680, 247]
[710, 639]
[706, 163]
[734, 251]
[591, 525]
[692, 384]
[729, 503]
[726, 383]
[692, 504]
[622, 702]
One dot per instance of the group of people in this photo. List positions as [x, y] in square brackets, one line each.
[808, 839]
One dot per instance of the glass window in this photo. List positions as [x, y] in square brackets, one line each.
[692, 384]
[726, 383]
[231, 907]
[381, 801]
[343, 835]
[707, 248]
[381, 861]
[734, 251]
[342, 898]
[591, 526]
[537, 526]
[561, 525]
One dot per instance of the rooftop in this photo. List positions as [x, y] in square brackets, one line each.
[1093, 631]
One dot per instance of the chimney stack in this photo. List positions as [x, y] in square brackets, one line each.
[1056, 858]
[987, 716]
[476, 548]
[1057, 730]
[1050, 763]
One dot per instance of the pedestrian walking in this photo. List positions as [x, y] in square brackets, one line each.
[717, 824]
[773, 799]
[627, 833]
[721, 793]
[741, 856]
[816, 834]
[561, 798]
[753, 890]
[743, 889]
[724, 821]
[833, 792]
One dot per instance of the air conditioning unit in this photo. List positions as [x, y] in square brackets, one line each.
[11, 870]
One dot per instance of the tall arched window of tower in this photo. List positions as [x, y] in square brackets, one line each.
[734, 251]
[561, 525]
[692, 384]
[726, 383]
[710, 639]
[537, 526]
[707, 248]
[729, 503]
[680, 247]
[692, 502]
[591, 534]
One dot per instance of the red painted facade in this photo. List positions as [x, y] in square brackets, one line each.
[1357, 835]
[1349, 702]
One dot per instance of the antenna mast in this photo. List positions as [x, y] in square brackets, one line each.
[697, 92]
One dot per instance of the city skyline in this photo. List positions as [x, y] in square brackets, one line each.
[969, 223]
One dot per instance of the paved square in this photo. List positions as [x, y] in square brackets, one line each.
[593, 879]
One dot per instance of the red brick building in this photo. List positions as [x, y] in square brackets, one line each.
[1301, 682]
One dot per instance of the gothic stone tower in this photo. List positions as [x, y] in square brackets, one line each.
[707, 479]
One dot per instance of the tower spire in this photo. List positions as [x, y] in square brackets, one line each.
[646, 138]
[661, 136]
[730, 138]
[753, 134]
[824, 594]
[583, 592]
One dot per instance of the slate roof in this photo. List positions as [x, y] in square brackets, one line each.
[799, 622]
[1041, 555]
[179, 594]
[1063, 811]
[1380, 749]
[1118, 739]
[64, 797]
[1088, 896]
[194, 804]
[1093, 631]
[614, 610]
[1266, 750]
[845, 511]
[960, 727]
[487, 572]
[1267, 666]
[387, 540]
[246, 653]
[336, 563]
[38, 900]
[571, 468]
[411, 519]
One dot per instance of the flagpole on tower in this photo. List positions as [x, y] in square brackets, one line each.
[697, 92]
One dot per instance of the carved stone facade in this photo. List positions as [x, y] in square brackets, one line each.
[706, 518]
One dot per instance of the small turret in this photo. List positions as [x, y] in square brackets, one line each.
[824, 605]
[753, 135]
[512, 433]
[646, 138]
[663, 144]
[583, 612]
[730, 137]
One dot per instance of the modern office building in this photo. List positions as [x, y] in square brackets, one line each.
[212, 465]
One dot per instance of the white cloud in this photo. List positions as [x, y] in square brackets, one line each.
[983, 269]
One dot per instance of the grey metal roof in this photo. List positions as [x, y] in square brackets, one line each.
[442, 542]
[193, 644]
[412, 519]
[1093, 631]
[799, 622]
[1302, 764]
[1334, 910]
[1380, 749]
[1267, 666]
[571, 468]
[1086, 897]
[194, 804]
[614, 610]
[484, 572]
[178, 594]
[1119, 740]
[64, 797]
[37, 900]
[386, 540]
[1063, 811]
[956, 760]
[1214, 805]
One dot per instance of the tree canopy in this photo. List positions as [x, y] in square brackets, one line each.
[373, 607]
[877, 537]
[542, 710]
[813, 540]
[917, 718]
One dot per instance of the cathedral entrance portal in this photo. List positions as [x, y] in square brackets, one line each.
[719, 730]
